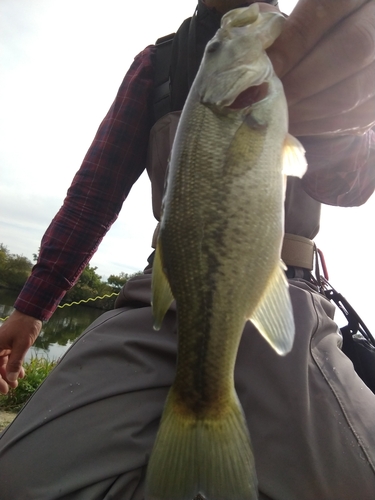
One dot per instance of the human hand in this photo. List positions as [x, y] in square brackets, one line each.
[325, 58]
[17, 335]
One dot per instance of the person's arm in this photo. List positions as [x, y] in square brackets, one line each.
[341, 169]
[113, 163]
[325, 58]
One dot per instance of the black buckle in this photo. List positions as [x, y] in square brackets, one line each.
[355, 327]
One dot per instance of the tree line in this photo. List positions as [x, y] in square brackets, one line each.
[15, 269]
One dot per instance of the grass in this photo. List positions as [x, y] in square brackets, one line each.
[6, 418]
[36, 370]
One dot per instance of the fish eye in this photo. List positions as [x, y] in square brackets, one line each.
[213, 47]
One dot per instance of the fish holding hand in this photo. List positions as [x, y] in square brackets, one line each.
[218, 256]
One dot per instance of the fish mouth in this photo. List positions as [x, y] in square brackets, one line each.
[250, 96]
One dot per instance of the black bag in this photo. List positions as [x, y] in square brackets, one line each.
[358, 343]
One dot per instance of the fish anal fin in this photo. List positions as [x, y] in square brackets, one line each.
[162, 296]
[210, 457]
[294, 160]
[273, 316]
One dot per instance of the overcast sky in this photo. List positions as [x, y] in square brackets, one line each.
[62, 62]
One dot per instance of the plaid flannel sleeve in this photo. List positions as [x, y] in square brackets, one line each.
[113, 163]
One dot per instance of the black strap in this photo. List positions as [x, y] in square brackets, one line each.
[178, 58]
[179, 66]
[162, 92]
[193, 57]
[175, 68]
[175, 63]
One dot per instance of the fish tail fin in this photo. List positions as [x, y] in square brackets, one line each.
[207, 456]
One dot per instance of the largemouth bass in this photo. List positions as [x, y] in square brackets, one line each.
[218, 256]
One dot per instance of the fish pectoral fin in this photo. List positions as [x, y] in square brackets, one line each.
[294, 160]
[273, 317]
[162, 296]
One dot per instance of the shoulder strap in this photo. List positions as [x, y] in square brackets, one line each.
[181, 64]
[162, 91]
[171, 63]
[177, 60]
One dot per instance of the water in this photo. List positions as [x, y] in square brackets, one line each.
[59, 332]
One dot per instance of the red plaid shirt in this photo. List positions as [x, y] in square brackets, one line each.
[341, 172]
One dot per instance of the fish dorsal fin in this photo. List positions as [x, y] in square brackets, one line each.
[294, 160]
[162, 296]
[273, 317]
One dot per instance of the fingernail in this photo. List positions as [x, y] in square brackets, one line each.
[12, 377]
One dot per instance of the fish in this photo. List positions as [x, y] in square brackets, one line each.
[218, 256]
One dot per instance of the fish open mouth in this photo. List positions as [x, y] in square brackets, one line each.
[250, 96]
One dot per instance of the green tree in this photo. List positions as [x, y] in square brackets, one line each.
[89, 285]
[117, 281]
[14, 269]
[4, 252]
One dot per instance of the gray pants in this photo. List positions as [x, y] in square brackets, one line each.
[88, 431]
